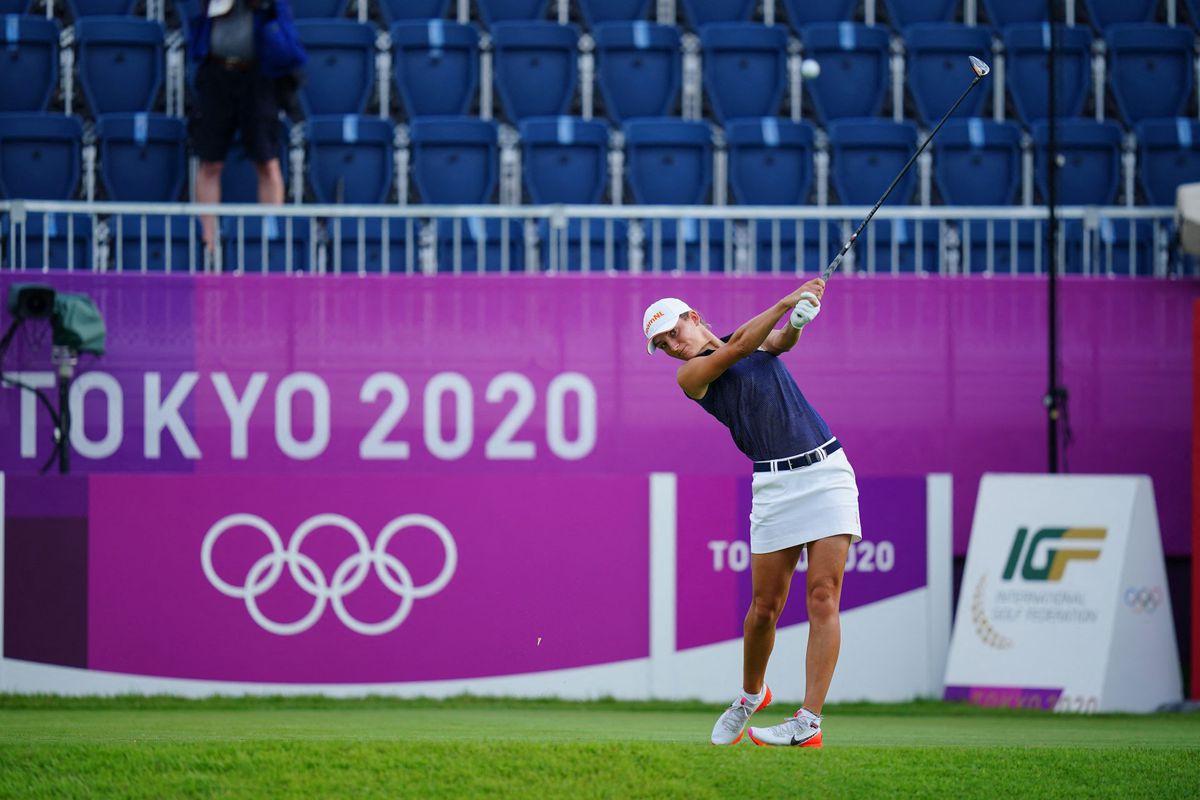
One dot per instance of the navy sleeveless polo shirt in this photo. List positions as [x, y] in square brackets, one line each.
[758, 400]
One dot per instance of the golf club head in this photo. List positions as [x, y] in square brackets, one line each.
[979, 67]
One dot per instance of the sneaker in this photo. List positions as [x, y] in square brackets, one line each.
[802, 730]
[732, 724]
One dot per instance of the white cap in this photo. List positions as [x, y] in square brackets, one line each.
[661, 316]
[219, 8]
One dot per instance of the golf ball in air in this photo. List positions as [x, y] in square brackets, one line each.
[810, 69]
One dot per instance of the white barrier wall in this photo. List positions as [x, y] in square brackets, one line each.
[1064, 600]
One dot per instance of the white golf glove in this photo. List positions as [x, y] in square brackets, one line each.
[805, 312]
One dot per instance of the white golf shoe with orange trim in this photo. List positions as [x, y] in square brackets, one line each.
[732, 724]
[802, 730]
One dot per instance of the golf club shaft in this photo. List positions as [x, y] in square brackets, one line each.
[833, 265]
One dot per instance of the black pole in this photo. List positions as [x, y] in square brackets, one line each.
[64, 422]
[1052, 391]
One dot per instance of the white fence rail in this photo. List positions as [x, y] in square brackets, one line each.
[400, 239]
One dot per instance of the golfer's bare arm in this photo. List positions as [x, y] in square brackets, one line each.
[695, 375]
[782, 340]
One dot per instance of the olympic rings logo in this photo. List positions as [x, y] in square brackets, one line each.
[347, 577]
[1144, 600]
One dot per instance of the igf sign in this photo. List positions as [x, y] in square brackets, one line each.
[1043, 619]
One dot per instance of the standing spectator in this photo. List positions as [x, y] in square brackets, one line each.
[244, 51]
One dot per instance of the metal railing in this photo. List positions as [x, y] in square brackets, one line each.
[401, 239]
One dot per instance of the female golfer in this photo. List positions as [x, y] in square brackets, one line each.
[804, 492]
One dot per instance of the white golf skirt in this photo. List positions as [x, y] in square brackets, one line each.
[802, 505]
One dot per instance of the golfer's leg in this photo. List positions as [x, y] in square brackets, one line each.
[771, 575]
[826, 562]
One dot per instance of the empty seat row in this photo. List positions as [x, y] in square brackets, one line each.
[142, 158]
[436, 67]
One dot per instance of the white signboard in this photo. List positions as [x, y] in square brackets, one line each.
[1064, 602]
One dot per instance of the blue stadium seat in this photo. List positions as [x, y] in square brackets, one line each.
[684, 240]
[799, 246]
[938, 69]
[745, 68]
[1103, 13]
[143, 157]
[910, 12]
[271, 231]
[1169, 157]
[977, 162]
[51, 241]
[168, 243]
[481, 245]
[874, 251]
[239, 180]
[854, 68]
[351, 235]
[30, 59]
[100, 8]
[770, 164]
[565, 159]
[668, 161]
[1027, 48]
[15, 6]
[318, 9]
[1013, 246]
[770, 161]
[596, 12]
[586, 237]
[341, 66]
[493, 11]
[702, 12]
[39, 160]
[39, 156]
[1115, 245]
[806, 12]
[1002, 13]
[350, 159]
[120, 62]
[638, 65]
[436, 65]
[395, 10]
[1091, 166]
[1150, 70]
[454, 159]
[536, 67]
[866, 155]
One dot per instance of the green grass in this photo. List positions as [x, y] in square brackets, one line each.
[467, 747]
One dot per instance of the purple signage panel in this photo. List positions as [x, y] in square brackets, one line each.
[523, 375]
[364, 579]
[713, 554]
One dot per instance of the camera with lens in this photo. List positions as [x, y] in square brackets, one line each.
[31, 301]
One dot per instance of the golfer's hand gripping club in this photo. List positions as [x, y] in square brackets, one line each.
[805, 311]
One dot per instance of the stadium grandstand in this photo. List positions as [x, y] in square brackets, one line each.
[449, 136]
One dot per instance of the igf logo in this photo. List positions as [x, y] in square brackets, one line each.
[1047, 563]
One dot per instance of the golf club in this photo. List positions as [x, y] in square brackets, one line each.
[980, 69]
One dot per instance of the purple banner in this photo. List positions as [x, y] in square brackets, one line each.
[525, 375]
[713, 554]
[1004, 696]
[363, 579]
